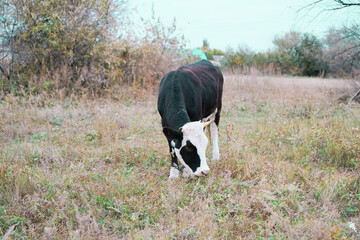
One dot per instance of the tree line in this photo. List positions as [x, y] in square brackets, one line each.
[90, 46]
[300, 54]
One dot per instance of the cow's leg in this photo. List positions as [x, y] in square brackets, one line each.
[214, 131]
[174, 171]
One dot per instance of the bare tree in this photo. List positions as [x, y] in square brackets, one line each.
[344, 4]
[343, 51]
[8, 28]
[331, 5]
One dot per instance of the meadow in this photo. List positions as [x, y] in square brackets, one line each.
[82, 168]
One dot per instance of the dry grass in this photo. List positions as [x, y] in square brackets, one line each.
[97, 169]
[287, 90]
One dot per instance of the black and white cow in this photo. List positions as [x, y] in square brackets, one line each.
[190, 100]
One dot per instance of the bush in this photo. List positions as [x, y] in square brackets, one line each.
[70, 46]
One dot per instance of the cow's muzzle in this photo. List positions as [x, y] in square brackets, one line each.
[202, 173]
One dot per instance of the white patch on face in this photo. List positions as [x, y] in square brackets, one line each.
[194, 133]
[187, 173]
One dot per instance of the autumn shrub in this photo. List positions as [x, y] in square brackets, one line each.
[81, 47]
[144, 60]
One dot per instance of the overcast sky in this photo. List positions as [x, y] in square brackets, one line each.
[234, 23]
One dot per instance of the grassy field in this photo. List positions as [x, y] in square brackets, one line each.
[98, 169]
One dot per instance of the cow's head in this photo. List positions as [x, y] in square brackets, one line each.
[189, 145]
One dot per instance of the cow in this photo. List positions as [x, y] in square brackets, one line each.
[189, 100]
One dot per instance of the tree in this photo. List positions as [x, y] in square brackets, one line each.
[206, 45]
[39, 37]
[310, 53]
[343, 51]
[343, 45]
[261, 61]
[9, 28]
[145, 60]
[300, 54]
[287, 55]
[241, 60]
[331, 5]
[212, 52]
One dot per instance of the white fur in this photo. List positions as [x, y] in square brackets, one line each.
[193, 132]
[214, 131]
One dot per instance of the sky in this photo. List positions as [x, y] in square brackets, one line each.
[242, 23]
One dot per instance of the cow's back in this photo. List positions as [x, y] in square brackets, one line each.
[190, 93]
[211, 80]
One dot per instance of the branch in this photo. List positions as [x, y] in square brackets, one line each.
[348, 4]
[311, 5]
[353, 33]
[341, 5]
[348, 49]
[3, 71]
[353, 97]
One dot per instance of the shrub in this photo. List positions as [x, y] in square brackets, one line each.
[71, 46]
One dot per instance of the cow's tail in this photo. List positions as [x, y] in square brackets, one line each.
[208, 134]
[211, 117]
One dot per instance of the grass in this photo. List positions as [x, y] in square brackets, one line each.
[98, 169]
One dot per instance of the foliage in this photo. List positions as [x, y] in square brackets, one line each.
[210, 52]
[213, 52]
[303, 54]
[287, 56]
[206, 45]
[299, 54]
[310, 53]
[73, 47]
[47, 38]
[242, 59]
[294, 54]
[144, 61]
[91, 47]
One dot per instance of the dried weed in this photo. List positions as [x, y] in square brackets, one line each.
[98, 168]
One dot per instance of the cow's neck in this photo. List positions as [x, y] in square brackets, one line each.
[179, 118]
[178, 114]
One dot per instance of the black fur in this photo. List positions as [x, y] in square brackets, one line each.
[190, 156]
[188, 94]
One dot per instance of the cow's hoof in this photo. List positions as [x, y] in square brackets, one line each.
[186, 173]
[174, 173]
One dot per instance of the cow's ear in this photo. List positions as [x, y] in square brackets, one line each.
[171, 134]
